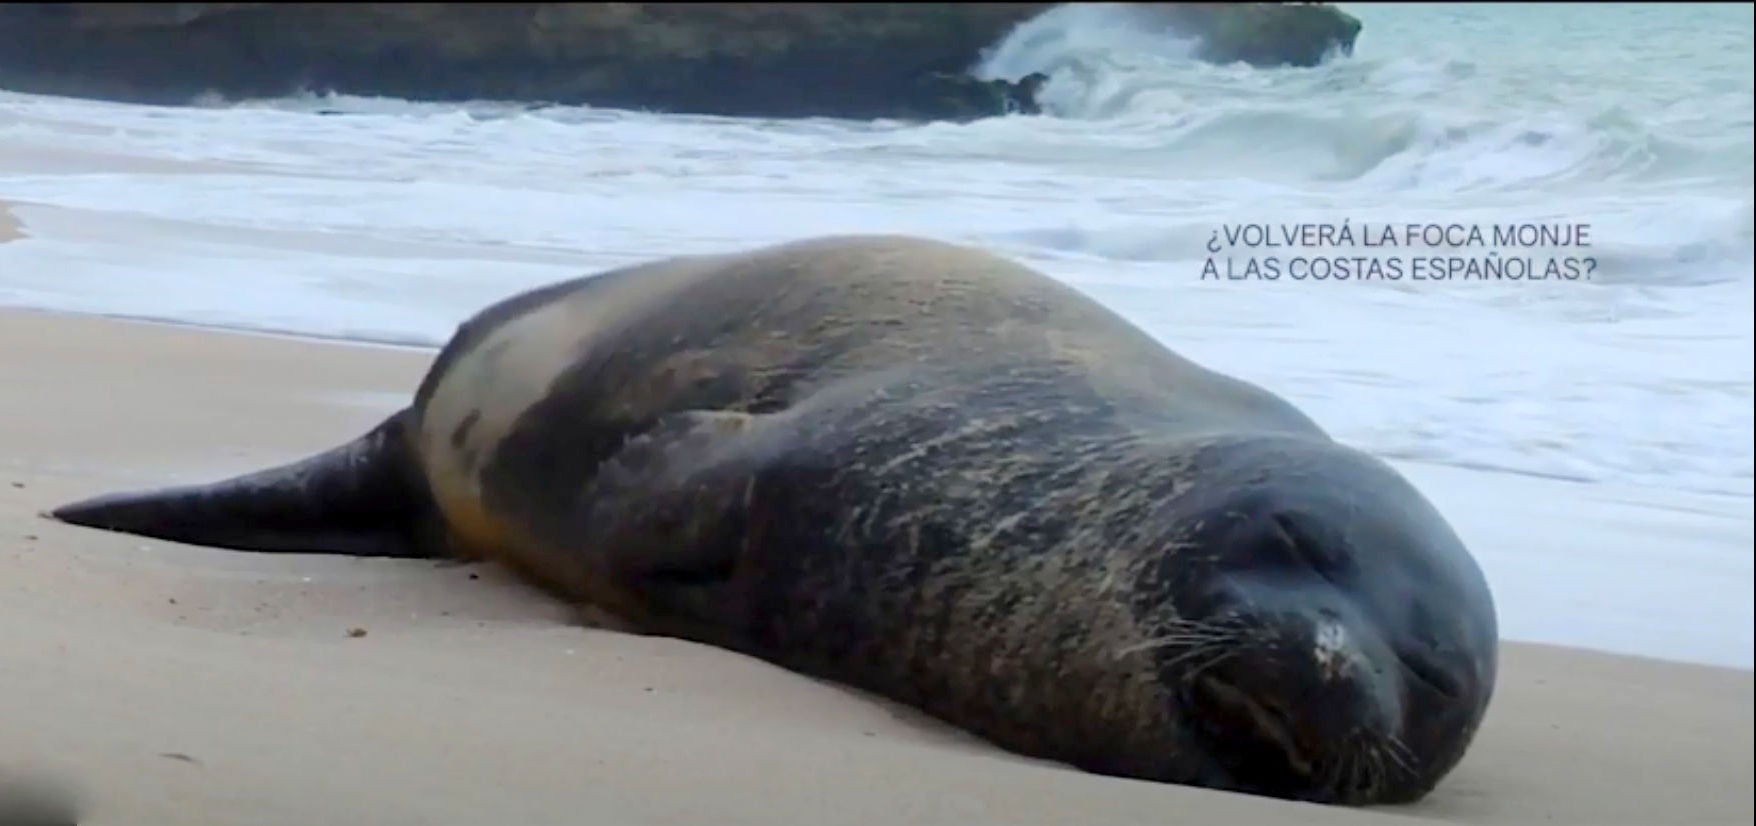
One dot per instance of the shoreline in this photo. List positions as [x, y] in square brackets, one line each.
[224, 329]
[156, 672]
[11, 229]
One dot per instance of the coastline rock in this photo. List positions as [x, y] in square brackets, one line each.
[861, 61]
[955, 96]
[1265, 34]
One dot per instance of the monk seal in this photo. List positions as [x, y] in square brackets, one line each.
[935, 474]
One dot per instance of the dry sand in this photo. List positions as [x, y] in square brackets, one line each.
[184, 686]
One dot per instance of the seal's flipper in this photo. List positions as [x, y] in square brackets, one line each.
[669, 510]
[363, 498]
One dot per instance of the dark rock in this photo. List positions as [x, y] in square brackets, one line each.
[960, 97]
[1264, 34]
[855, 60]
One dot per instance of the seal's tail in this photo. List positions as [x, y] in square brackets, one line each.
[363, 498]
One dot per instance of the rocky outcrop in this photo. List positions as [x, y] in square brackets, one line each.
[1264, 34]
[857, 60]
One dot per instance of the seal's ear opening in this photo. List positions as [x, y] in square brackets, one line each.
[364, 498]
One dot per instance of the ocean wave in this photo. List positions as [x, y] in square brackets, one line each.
[1401, 121]
[344, 105]
[1397, 121]
[1390, 148]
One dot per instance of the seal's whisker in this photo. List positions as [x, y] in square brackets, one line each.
[1196, 634]
[1160, 642]
[1188, 634]
[1196, 654]
[1365, 765]
[1216, 622]
[1345, 765]
[1220, 658]
[1226, 624]
[1399, 753]
[1340, 779]
[1189, 646]
[1197, 631]
[1199, 641]
[1374, 769]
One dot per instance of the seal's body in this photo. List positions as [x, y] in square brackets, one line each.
[937, 475]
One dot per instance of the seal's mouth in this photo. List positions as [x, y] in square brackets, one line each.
[1257, 740]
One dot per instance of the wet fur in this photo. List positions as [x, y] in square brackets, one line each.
[908, 466]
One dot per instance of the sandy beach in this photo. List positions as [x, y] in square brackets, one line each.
[191, 292]
[166, 684]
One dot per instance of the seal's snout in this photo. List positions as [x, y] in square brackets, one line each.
[1312, 697]
[1362, 661]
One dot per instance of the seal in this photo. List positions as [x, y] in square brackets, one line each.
[935, 474]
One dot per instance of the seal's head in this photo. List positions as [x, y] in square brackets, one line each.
[1335, 641]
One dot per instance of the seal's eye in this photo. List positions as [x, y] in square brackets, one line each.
[1314, 553]
[1424, 663]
